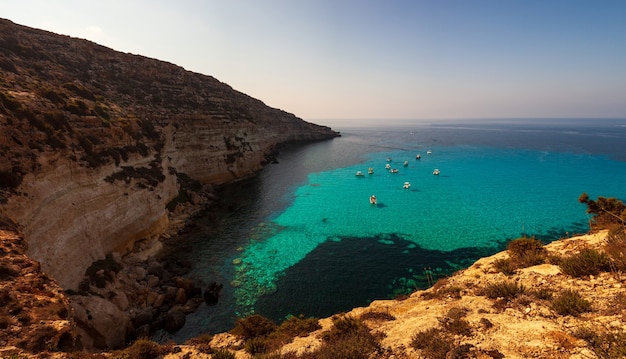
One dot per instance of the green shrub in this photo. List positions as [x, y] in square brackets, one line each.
[222, 354]
[256, 346]
[144, 349]
[298, 326]
[614, 248]
[605, 344]
[348, 338]
[606, 211]
[542, 293]
[433, 343]
[505, 266]
[504, 289]
[570, 302]
[522, 246]
[586, 262]
[254, 326]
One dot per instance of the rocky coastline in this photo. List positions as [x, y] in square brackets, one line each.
[146, 290]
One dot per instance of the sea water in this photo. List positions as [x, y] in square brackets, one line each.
[305, 240]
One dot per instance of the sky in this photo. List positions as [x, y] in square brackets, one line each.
[347, 60]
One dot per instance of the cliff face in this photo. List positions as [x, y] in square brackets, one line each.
[93, 143]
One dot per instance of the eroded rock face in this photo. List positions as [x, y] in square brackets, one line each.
[94, 144]
[35, 315]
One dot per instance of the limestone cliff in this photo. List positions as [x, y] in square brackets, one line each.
[93, 143]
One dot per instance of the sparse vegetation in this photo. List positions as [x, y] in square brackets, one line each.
[586, 262]
[348, 338]
[605, 211]
[377, 315]
[455, 323]
[503, 289]
[615, 247]
[433, 343]
[570, 302]
[142, 349]
[222, 354]
[606, 344]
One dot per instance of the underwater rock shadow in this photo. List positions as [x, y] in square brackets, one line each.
[347, 272]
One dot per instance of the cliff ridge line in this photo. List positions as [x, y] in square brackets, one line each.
[93, 143]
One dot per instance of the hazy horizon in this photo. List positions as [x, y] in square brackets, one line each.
[371, 59]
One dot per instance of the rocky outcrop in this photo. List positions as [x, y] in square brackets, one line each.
[94, 144]
[459, 317]
[35, 315]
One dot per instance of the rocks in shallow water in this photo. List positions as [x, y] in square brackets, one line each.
[174, 320]
[212, 293]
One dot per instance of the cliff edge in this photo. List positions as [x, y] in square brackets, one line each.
[94, 144]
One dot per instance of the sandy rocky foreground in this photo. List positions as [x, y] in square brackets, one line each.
[523, 328]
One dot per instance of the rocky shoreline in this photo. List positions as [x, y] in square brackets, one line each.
[123, 298]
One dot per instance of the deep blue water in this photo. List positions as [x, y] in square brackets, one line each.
[304, 239]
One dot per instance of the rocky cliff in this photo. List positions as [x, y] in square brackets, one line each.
[94, 144]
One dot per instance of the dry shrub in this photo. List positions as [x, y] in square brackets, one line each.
[503, 289]
[348, 338]
[616, 247]
[604, 343]
[586, 262]
[570, 302]
[455, 323]
[253, 326]
[523, 252]
[563, 340]
[433, 343]
[144, 349]
[377, 316]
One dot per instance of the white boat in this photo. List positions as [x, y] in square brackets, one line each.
[406, 163]
[407, 185]
[373, 199]
[429, 152]
[436, 171]
[387, 166]
[388, 159]
[359, 174]
[370, 170]
[418, 156]
[394, 170]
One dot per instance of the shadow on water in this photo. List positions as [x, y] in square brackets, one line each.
[346, 272]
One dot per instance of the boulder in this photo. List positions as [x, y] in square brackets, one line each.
[101, 323]
[212, 293]
[174, 320]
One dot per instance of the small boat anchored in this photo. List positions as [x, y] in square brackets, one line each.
[436, 171]
[387, 166]
[359, 174]
[407, 185]
[418, 156]
[429, 152]
[394, 170]
[373, 199]
[406, 163]
[370, 170]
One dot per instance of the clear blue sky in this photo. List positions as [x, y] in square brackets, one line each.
[382, 59]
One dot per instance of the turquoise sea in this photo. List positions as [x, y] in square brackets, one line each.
[302, 237]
